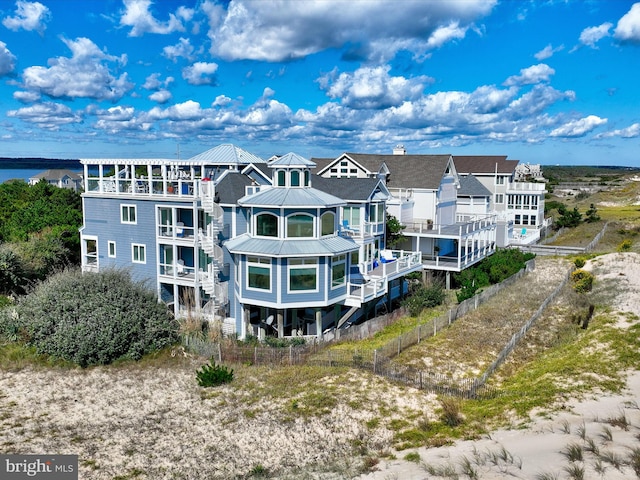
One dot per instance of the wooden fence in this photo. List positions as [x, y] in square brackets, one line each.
[379, 361]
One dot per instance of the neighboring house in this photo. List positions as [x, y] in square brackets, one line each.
[61, 178]
[527, 172]
[518, 205]
[252, 244]
[424, 190]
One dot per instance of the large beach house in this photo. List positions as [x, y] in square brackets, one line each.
[253, 244]
[285, 247]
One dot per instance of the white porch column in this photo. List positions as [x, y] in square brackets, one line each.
[319, 323]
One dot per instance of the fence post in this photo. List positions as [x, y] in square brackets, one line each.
[419, 328]
[219, 353]
[255, 355]
[375, 359]
[290, 354]
[435, 323]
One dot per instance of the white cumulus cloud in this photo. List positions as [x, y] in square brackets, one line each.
[84, 75]
[628, 28]
[632, 131]
[138, 16]
[547, 52]
[200, 73]
[578, 128]
[31, 16]
[592, 35]
[280, 30]
[7, 60]
[531, 75]
[372, 87]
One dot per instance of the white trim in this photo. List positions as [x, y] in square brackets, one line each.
[301, 266]
[267, 265]
[111, 243]
[129, 206]
[140, 247]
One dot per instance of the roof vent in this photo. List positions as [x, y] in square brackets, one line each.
[399, 150]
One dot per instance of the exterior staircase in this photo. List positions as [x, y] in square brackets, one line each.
[208, 241]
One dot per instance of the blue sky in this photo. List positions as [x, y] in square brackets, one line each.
[545, 81]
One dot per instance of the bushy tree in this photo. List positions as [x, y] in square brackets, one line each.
[568, 218]
[394, 232]
[591, 215]
[92, 318]
[13, 275]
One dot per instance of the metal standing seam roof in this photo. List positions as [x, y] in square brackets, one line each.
[292, 160]
[226, 154]
[290, 197]
[333, 245]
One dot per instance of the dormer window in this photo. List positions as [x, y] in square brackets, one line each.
[282, 179]
[295, 178]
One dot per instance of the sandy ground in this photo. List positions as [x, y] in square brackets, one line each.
[542, 450]
[156, 423]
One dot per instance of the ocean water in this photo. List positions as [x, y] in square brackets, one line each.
[21, 173]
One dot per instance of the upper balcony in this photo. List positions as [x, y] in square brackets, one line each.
[144, 178]
[465, 225]
[523, 187]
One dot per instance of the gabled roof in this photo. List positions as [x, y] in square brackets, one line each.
[406, 171]
[470, 186]
[322, 163]
[484, 164]
[351, 189]
[226, 154]
[232, 187]
[57, 174]
[261, 169]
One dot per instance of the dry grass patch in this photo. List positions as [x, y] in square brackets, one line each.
[473, 341]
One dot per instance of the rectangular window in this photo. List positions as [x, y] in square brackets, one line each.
[338, 270]
[138, 253]
[499, 180]
[499, 198]
[259, 273]
[111, 245]
[517, 220]
[128, 214]
[303, 275]
[351, 217]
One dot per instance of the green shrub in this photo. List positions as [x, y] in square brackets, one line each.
[92, 318]
[504, 263]
[212, 375]
[582, 281]
[424, 297]
[625, 245]
[579, 262]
